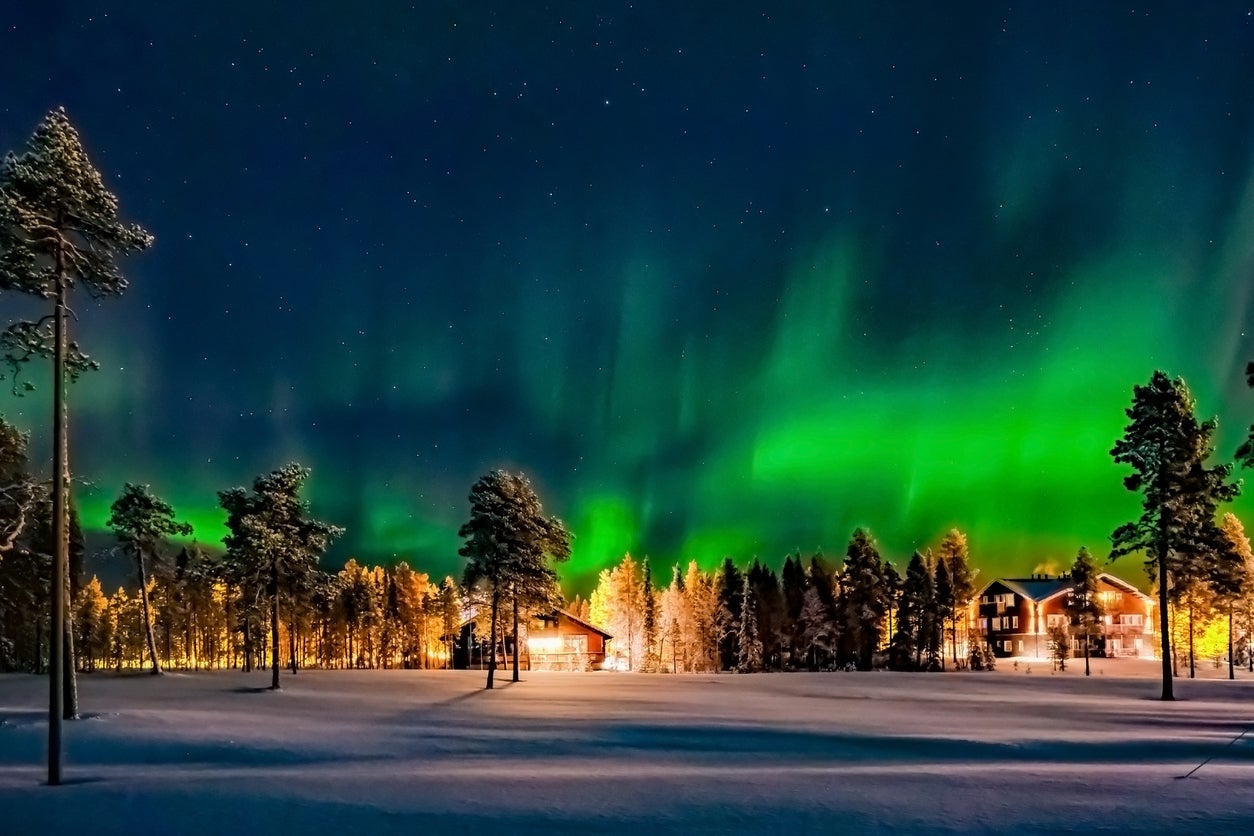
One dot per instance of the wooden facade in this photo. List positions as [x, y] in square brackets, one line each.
[559, 641]
[564, 642]
[1015, 616]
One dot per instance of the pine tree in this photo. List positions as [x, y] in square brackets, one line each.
[509, 542]
[944, 602]
[1230, 577]
[954, 602]
[274, 540]
[748, 644]
[143, 521]
[1167, 448]
[1083, 605]
[58, 226]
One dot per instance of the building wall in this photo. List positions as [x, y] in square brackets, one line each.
[1017, 626]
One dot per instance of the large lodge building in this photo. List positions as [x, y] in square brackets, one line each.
[1015, 616]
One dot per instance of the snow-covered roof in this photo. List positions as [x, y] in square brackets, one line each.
[1042, 587]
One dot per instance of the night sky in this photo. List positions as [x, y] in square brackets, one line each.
[720, 280]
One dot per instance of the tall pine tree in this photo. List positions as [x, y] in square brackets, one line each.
[59, 228]
[509, 542]
[1167, 449]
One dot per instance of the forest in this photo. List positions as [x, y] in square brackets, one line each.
[265, 597]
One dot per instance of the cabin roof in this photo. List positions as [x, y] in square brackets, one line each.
[1040, 588]
[572, 617]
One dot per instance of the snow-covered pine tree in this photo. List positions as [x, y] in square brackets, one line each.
[748, 643]
[274, 540]
[143, 522]
[58, 227]
[818, 629]
[509, 542]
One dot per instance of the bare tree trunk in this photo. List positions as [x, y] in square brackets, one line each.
[291, 639]
[1192, 669]
[496, 601]
[69, 696]
[274, 624]
[1086, 648]
[1232, 674]
[60, 555]
[515, 635]
[1164, 623]
[143, 600]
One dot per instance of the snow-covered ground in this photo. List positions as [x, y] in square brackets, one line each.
[431, 752]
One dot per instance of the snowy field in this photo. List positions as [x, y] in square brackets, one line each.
[431, 752]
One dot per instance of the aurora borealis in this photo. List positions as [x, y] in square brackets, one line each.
[719, 282]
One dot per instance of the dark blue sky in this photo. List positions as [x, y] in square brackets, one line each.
[721, 279]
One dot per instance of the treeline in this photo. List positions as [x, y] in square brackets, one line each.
[811, 616]
[264, 599]
[358, 617]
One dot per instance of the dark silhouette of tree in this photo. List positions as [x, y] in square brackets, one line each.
[1167, 448]
[142, 522]
[917, 617]
[793, 583]
[769, 608]
[1083, 605]
[648, 622]
[944, 602]
[730, 599]
[864, 598]
[509, 542]
[58, 227]
[272, 537]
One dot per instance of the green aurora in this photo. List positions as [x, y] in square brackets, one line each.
[725, 296]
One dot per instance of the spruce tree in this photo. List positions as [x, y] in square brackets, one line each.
[1167, 449]
[865, 600]
[58, 227]
[748, 643]
[730, 584]
[915, 614]
[1083, 606]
